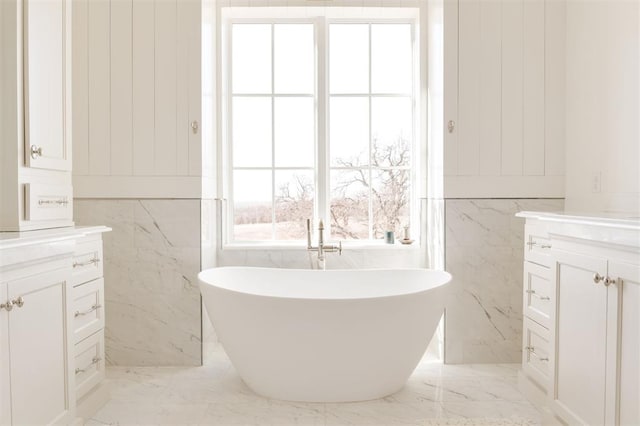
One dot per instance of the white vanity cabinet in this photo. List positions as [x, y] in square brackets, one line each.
[597, 328]
[538, 302]
[88, 316]
[35, 127]
[39, 350]
[594, 323]
[36, 367]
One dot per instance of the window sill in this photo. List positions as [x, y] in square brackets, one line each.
[346, 246]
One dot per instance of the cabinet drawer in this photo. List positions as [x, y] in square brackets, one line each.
[539, 293]
[48, 202]
[535, 352]
[537, 245]
[87, 260]
[89, 363]
[88, 309]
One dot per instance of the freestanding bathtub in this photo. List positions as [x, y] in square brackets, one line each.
[324, 336]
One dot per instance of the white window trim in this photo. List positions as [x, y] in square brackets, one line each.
[274, 15]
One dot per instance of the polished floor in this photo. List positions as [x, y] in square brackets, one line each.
[214, 395]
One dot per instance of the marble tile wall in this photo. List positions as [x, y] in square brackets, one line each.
[484, 253]
[151, 262]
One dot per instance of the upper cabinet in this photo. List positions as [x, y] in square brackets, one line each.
[35, 100]
[504, 98]
[137, 98]
[47, 84]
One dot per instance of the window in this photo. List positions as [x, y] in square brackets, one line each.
[321, 123]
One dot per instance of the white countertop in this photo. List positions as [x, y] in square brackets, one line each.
[26, 238]
[609, 220]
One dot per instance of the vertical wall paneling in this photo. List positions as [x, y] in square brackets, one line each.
[166, 152]
[143, 64]
[80, 93]
[182, 86]
[121, 88]
[490, 70]
[194, 43]
[469, 87]
[99, 87]
[450, 86]
[512, 87]
[554, 108]
[534, 88]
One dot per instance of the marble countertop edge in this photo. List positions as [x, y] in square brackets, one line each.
[20, 239]
[611, 220]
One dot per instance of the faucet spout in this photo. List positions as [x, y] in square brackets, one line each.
[322, 248]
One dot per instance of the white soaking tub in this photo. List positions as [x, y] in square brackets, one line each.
[324, 336]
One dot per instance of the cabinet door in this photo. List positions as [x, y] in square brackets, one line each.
[47, 86]
[5, 389]
[627, 278]
[39, 349]
[579, 336]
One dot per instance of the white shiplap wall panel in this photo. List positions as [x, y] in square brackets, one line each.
[512, 87]
[121, 88]
[194, 44]
[99, 87]
[555, 57]
[80, 73]
[143, 65]
[166, 147]
[136, 91]
[469, 87]
[450, 87]
[182, 87]
[489, 111]
[533, 90]
[508, 57]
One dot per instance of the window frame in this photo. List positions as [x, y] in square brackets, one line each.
[322, 165]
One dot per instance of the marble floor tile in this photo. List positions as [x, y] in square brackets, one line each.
[214, 394]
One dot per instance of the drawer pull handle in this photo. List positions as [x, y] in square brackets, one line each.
[36, 151]
[532, 351]
[88, 311]
[535, 243]
[534, 294]
[94, 361]
[62, 202]
[87, 263]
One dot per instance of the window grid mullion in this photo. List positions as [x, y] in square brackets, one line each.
[370, 145]
[273, 137]
[322, 81]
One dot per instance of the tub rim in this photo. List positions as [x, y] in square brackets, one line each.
[447, 277]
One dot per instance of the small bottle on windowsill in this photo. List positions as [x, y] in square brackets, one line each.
[406, 239]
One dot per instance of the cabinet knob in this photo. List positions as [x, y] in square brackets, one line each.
[195, 126]
[451, 126]
[36, 151]
[597, 278]
[8, 306]
[608, 281]
[19, 302]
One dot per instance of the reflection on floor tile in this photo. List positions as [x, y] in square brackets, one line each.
[215, 395]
